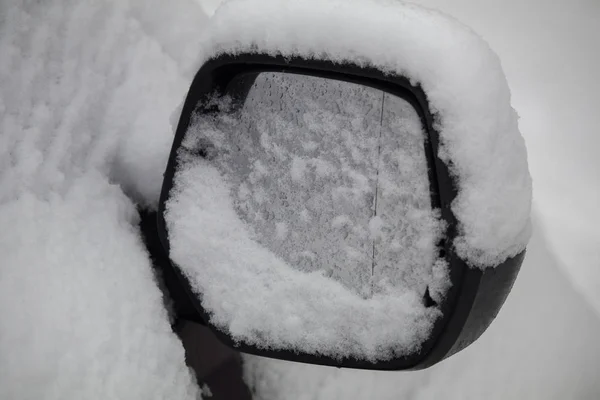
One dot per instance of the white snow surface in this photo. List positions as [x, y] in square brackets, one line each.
[463, 79]
[81, 316]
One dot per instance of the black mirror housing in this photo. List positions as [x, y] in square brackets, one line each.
[476, 295]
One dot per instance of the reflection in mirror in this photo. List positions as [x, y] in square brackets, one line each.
[328, 178]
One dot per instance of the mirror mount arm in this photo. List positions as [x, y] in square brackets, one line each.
[176, 301]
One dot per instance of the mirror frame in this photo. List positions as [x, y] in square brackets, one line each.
[476, 295]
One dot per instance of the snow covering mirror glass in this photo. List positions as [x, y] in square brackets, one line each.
[302, 217]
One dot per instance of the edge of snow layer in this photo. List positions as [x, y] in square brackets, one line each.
[462, 77]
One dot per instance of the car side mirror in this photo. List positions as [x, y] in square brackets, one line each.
[311, 212]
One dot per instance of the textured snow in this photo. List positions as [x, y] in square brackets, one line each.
[541, 346]
[81, 316]
[355, 210]
[462, 77]
[551, 60]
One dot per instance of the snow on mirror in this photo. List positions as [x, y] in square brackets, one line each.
[303, 219]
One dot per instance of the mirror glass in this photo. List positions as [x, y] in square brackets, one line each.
[325, 178]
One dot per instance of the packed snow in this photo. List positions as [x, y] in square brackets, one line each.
[284, 225]
[81, 316]
[465, 85]
[543, 344]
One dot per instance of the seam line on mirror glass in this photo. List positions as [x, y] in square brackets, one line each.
[377, 186]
